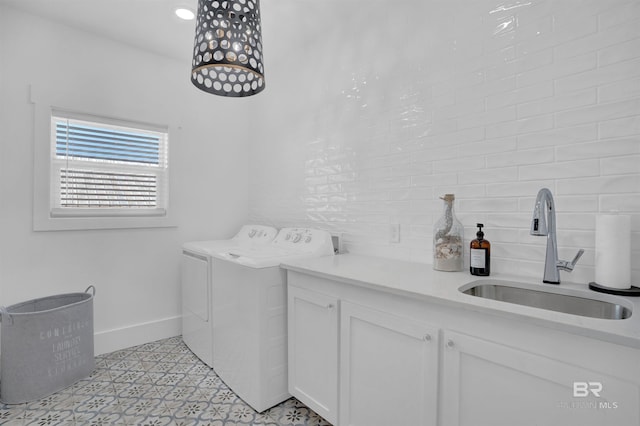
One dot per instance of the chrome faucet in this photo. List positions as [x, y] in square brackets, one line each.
[544, 224]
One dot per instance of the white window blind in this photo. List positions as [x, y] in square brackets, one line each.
[107, 168]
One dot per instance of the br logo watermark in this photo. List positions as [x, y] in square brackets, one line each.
[591, 391]
[584, 389]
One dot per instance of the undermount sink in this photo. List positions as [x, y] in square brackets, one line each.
[523, 294]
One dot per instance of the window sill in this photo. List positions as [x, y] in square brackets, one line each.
[106, 213]
[54, 222]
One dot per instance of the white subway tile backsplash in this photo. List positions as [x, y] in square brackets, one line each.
[431, 153]
[534, 124]
[500, 234]
[506, 114]
[419, 193]
[619, 90]
[624, 11]
[622, 165]
[570, 203]
[572, 221]
[596, 113]
[389, 182]
[341, 177]
[599, 185]
[460, 107]
[488, 205]
[504, 174]
[519, 96]
[445, 141]
[485, 88]
[390, 160]
[555, 137]
[531, 251]
[598, 149]
[627, 203]
[460, 163]
[537, 25]
[488, 106]
[518, 189]
[575, 23]
[570, 100]
[313, 181]
[561, 67]
[433, 180]
[628, 126]
[596, 40]
[520, 157]
[522, 64]
[560, 170]
[577, 239]
[599, 76]
[460, 191]
[619, 52]
[520, 127]
[481, 149]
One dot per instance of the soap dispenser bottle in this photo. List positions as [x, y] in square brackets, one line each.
[480, 253]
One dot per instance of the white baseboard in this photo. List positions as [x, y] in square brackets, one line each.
[138, 334]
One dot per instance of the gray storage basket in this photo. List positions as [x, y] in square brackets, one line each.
[46, 345]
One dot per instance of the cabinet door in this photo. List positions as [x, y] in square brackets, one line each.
[313, 350]
[485, 383]
[389, 369]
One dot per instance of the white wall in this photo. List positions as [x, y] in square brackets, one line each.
[136, 271]
[383, 107]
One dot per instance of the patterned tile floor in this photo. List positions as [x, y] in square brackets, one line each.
[156, 384]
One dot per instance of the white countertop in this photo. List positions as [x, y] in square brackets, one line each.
[421, 281]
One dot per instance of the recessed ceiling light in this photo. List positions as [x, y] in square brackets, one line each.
[185, 14]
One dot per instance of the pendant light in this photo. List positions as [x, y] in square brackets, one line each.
[227, 54]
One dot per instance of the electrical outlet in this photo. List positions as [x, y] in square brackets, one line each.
[394, 233]
[336, 239]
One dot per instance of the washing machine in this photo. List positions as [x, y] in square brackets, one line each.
[196, 271]
[249, 314]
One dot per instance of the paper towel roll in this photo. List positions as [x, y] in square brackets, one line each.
[613, 251]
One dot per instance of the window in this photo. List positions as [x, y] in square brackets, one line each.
[102, 167]
[94, 171]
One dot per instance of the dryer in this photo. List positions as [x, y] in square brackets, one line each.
[249, 314]
[196, 276]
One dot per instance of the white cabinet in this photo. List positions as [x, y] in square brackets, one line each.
[485, 383]
[389, 369]
[360, 356]
[313, 350]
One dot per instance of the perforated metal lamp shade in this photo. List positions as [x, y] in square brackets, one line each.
[227, 54]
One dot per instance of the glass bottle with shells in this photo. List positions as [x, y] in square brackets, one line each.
[448, 238]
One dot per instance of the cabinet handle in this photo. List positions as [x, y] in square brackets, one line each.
[427, 338]
[450, 344]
